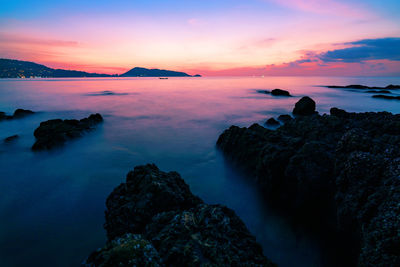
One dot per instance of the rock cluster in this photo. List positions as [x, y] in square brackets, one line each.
[18, 113]
[56, 132]
[341, 171]
[154, 220]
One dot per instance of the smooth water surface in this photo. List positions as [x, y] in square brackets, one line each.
[52, 202]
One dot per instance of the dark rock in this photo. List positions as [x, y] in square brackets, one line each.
[305, 106]
[11, 138]
[379, 91]
[339, 172]
[285, 118]
[129, 250]
[263, 92]
[389, 97]
[154, 220]
[20, 113]
[56, 132]
[362, 87]
[147, 192]
[280, 92]
[339, 112]
[272, 122]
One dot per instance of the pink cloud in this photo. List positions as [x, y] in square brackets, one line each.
[327, 7]
[27, 40]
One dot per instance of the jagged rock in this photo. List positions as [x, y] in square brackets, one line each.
[340, 172]
[56, 132]
[272, 122]
[280, 92]
[154, 213]
[305, 106]
[147, 192]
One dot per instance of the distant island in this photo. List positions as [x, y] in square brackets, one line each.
[10, 68]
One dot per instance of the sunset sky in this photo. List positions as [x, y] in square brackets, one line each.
[210, 37]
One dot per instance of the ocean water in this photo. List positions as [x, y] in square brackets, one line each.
[52, 202]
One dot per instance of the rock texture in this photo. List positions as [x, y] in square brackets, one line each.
[387, 97]
[339, 171]
[154, 220]
[56, 132]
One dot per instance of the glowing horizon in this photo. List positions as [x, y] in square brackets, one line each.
[255, 37]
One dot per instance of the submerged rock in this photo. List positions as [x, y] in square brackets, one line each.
[19, 113]
[154, 220]
[358, 86]
[280, 92]
[340, 172]
[387, 97]
[305, 106]
[56, 132]
[11, 138]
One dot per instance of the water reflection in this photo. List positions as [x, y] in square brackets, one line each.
[52, 203]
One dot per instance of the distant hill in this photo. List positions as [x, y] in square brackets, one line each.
[10, 68]
[142, 72]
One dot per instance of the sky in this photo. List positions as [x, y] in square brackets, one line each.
[210, 37]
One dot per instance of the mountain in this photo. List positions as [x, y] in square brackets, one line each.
[10, 68]
[142, 72]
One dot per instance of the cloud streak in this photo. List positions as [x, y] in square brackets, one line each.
[363, 50]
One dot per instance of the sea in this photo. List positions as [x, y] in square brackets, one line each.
[52, 202]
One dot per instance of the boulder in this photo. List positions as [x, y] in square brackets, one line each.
[305, 106]
[280, 92]
[154, 220]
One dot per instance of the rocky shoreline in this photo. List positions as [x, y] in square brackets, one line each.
[154, 220]
[338, 171]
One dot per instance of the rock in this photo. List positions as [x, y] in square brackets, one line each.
[154, 220]
[147, 192]
[20, 113]
[339, 112]
[362, 87]
[56, 132]
[285, 118]
[305, 106]
[129, 250]
[263, 92]
[280, 92]
[272, 122]
[379, 91]
[339, 172]
[11, 138]
[387, 97]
